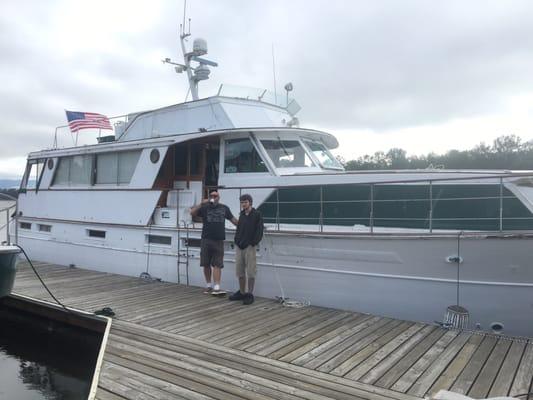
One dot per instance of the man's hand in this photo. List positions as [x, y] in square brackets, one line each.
[194, 209]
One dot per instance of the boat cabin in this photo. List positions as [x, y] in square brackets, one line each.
[165, 164]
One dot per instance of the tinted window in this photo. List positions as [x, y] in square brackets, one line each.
[156, 239]
[45, 228]
[287, 153]
[240, 155]
[74, 170]
[325, 158]
[33, 174]
[96, 234]
[116, 168]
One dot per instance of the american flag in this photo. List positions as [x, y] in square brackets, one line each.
[82, 120]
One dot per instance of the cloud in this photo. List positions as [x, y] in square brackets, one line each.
[377, 67]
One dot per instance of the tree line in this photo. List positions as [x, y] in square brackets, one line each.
[506, 152]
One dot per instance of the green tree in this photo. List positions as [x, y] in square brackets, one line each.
[506, 152]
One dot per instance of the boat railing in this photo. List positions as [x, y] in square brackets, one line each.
[438, 205]
[7, 217]
[262, 95]
[65, 138]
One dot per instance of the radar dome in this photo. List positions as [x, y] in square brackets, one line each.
[199, 46]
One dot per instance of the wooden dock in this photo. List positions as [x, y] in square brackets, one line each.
[170, 341]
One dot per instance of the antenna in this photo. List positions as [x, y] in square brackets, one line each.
[274, 74]
[194, 74]
[184, 14]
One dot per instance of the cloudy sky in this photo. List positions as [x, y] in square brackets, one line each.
[420, 75]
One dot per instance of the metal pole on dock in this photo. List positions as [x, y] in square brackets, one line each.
[7, 226]
[277, 207]
[372, 208]
[430, 206]
[501, 204]
[321, 219]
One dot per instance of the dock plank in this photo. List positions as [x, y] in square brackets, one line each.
[172, 341]
[387, 363]
[405, 363]
[383, 352]
[407, 380]
[487, 375]
[469, 374]
[433, 371]
[504, 380]
[523, 381]
[374, 345]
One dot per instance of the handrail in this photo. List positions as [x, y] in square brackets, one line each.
[8, 222]
[491, 217]
[495, 176]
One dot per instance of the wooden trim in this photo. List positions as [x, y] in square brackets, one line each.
[100, 360]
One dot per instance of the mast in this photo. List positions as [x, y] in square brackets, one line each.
[199, 48]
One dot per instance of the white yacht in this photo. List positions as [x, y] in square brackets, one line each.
[405, 244]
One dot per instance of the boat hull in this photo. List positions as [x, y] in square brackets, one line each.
[410, 277]
[8, 267]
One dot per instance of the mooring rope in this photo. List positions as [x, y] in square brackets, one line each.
[40, 279]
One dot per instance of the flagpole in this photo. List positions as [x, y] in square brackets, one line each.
[76, 143]
[55, 140]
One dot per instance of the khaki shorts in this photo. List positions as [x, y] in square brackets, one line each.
[245, 262]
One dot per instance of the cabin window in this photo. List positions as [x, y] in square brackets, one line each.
[116, 168]
[25, 225]
[45, 228]
[287, 153]
[75, 170]
[322, 154]
[181, 160]
[240, 155]
[96, 234]
[193, 242]
[196, 158]
[33, 174]
[156, 239]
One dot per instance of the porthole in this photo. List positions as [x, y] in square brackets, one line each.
[497, 327]
[154, 156]
[50, 163]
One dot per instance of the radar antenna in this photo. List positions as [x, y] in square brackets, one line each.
[199, 48]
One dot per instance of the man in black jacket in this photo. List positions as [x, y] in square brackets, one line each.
[248, 235]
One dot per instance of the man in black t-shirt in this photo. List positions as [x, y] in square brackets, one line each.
[214, 215]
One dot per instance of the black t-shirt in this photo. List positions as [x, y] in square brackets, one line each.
[213, 218]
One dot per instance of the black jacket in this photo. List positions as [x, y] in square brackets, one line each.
[249, 229]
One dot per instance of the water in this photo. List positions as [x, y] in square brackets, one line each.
[44, 360]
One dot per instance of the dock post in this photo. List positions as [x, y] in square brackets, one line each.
[372, 208]
[430, 206]
[8, 240]
[501, 204]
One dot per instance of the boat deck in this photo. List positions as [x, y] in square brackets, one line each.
[170, 341]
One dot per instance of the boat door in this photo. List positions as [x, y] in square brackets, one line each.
[187, 174]
[196, 167]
